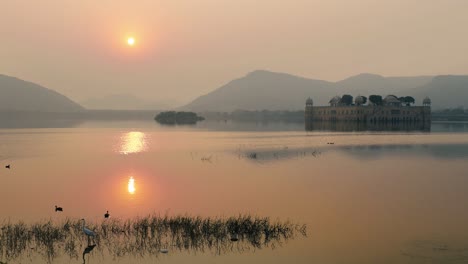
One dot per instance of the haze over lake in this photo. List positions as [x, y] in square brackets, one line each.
[214, 131]
[371, 197]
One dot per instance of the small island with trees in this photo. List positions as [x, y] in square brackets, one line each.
[178, 118]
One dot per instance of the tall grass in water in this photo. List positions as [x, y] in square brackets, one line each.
[145, 236]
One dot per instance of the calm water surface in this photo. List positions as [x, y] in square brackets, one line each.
[367, 198]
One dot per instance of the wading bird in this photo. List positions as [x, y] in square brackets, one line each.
[88, 232]
[106, 215]
[87, 250]
[58, 209]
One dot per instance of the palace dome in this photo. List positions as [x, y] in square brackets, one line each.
[359, 100]
[391, 99]
[426, 101]
[335, 100]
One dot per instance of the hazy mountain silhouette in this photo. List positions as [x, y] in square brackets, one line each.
[123, 102]
[263, 90]
[444, 91]
[19, 95]
[366, 84]
[260, 90]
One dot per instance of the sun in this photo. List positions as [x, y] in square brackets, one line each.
[131, 41]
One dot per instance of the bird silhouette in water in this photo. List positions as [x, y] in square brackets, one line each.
[106, 215]
[87, 250]
[7, 166]
[234, 237]
[58, 209]
[88, 232]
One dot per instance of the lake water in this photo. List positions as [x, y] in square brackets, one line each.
[370, 197]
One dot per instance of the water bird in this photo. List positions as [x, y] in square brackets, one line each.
[443, 247]
[87, 250]
[58, 209]
[253, 155]
[7, 166]
[206, 158]
[234, 238]
[87, 231]
[106, 215]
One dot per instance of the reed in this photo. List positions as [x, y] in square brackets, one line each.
[143, 236]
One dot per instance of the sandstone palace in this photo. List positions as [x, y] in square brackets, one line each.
[390, 110]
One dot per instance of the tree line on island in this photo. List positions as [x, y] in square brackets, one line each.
[170, 117]
[257, 116]
[451, 114]
[178, 118]
[347, 99]
[190, 118]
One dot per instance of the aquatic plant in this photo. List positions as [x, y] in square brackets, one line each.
[252, 155]
[434, 251]
[144, 236]
[265, 155]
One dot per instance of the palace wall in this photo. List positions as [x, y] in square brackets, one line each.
[368, 113]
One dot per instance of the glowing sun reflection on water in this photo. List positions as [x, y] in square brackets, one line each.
[131, 185]
[133, 142]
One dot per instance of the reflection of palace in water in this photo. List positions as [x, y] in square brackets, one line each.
[364, 126]
[390, 115]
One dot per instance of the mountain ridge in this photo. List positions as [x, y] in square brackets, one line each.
[267, 90]
[20, 95]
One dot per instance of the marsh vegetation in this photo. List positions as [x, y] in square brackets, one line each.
[144, 236]
[253, 153]
[435, 251]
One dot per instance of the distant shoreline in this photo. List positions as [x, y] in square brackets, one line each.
[121, 115]
[82, 115]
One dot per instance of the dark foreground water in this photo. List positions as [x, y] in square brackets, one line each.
[365, 197]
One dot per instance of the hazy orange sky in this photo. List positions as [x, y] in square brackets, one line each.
[185, 48]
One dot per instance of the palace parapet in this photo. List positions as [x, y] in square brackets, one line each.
[389, 110]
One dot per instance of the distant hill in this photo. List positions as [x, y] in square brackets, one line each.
[123, 102]
[367, 83]
[264, 90]
[445, 91]
[19, 95]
